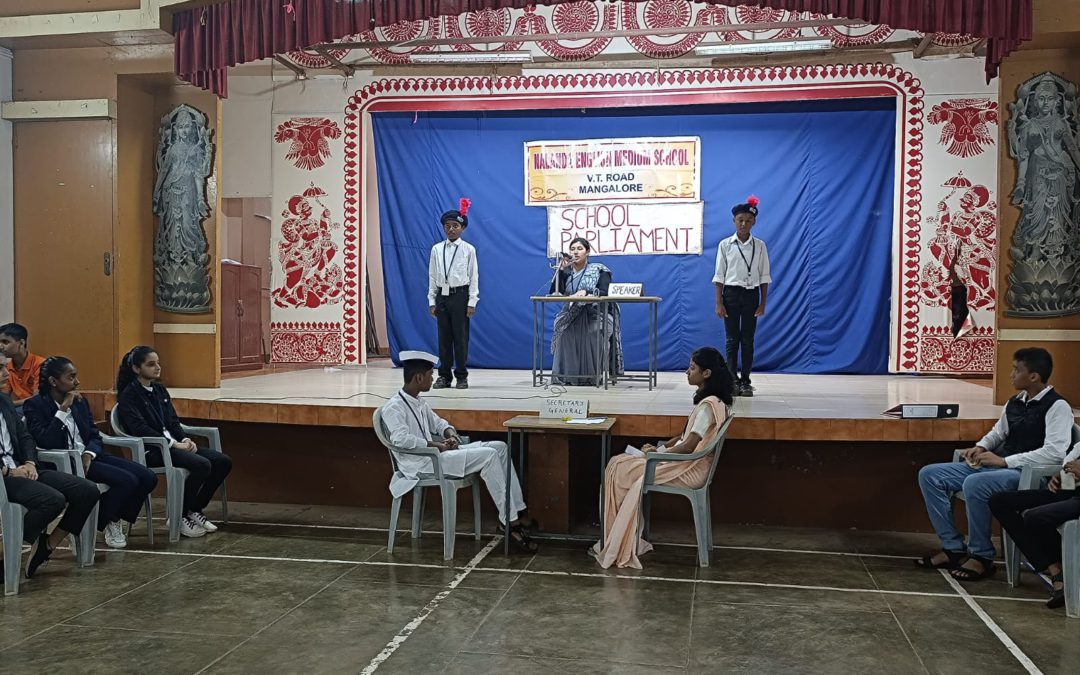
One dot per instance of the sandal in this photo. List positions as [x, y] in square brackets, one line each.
[927, 561]
[1057, 595]
[521, 541]
[967, 574]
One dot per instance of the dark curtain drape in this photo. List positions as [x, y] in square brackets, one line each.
[211, 39]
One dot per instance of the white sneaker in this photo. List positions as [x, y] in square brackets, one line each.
[114, 535]
[200, 520]
[190, 528]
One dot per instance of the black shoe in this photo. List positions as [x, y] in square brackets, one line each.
[746, 389]
[462, 384]
[736, 391]
[1057, 596]
[39, 556]
[441, 383]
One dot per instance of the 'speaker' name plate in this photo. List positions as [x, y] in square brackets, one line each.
[625, 290]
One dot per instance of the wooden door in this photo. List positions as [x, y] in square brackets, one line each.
[250, 307]
[230, 317]
[64, 243]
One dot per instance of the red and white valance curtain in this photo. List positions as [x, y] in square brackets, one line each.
[211, 39]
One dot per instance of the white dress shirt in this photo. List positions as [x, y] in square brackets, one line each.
[411, 424]
[73, 432]
[1059, 423]
[453, 264]
[743, 264]
[7, 449]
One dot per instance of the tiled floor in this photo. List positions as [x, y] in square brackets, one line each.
[296, 589]
[778, 395]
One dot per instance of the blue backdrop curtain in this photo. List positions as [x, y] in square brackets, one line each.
[824, 173]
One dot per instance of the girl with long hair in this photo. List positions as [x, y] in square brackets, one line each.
[625, 474]
[146, 409]
[60, 418]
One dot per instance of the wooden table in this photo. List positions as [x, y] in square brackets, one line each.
[533, 424]
[603, 377]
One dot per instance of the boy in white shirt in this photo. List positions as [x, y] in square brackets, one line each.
[742, 284]
[453, 291]
[411, 424]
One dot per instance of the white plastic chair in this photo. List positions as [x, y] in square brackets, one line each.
[82, 543]
[1031, 478]
[175, 477]
[1070, 566]
[699, 497]
[448, 488]
[11, 517]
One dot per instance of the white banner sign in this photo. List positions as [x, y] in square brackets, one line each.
[628, 229]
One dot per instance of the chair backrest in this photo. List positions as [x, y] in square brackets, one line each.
[1075, 435]
[384, 436]
[114, 421]
[718, 446]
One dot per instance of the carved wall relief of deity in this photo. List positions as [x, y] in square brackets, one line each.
[1043, 136]
[181, 257]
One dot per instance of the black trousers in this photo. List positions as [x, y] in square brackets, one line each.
[207, 469]
[740, 325]
[452, 312]
[129, 484]
[45, 499]
[1031, 517]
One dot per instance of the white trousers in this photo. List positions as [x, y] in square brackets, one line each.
[489, 458]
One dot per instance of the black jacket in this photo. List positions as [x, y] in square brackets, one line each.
[51, 433]
[145, 413]
[24, 450]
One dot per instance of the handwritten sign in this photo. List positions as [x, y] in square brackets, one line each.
[625, 169]
[628, 229]
[625, 290]
[561, 408]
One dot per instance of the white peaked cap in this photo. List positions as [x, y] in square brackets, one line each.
[412, 355]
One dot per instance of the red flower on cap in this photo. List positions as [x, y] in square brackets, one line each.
[752, 200]
[463, 205]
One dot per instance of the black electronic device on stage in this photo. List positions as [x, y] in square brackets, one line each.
[924, 411]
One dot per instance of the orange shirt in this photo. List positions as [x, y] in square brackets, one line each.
[23, 382]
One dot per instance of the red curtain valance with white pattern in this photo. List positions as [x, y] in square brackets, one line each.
[211, 39]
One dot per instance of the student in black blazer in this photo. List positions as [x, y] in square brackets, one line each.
[59, 417]
[146, 409]
[42, 490]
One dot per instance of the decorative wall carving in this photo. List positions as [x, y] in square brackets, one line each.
[1043, 135]
[181, 258]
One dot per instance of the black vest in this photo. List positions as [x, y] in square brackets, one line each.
[1027, 423]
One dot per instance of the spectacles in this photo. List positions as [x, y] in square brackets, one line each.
[452, 225]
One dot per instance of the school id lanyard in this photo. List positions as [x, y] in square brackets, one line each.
[423, 429]
[446, 269]
[753, 252]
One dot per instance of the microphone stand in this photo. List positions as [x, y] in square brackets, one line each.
[555, 277]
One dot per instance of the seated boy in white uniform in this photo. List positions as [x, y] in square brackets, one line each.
[412, 424]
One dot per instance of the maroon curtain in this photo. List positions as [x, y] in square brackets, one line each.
[211, 39]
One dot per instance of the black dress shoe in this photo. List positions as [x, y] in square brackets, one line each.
[40, 555]
[462, 384]
[746, 389]
[441, 383]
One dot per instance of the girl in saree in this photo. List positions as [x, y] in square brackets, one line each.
[624, 476]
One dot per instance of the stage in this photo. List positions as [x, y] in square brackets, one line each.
[786, 407]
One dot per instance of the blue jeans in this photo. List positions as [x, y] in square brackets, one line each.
[938, 482]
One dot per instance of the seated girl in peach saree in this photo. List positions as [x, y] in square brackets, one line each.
[625, 473]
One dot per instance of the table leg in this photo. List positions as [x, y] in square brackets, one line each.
[603, 469]
[534, 344]
[605, 346]
[506, 509]
[652, 345]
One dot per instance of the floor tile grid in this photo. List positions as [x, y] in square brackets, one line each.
[483, 621]
[899, 625]
[71, 621]
[276, 620]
